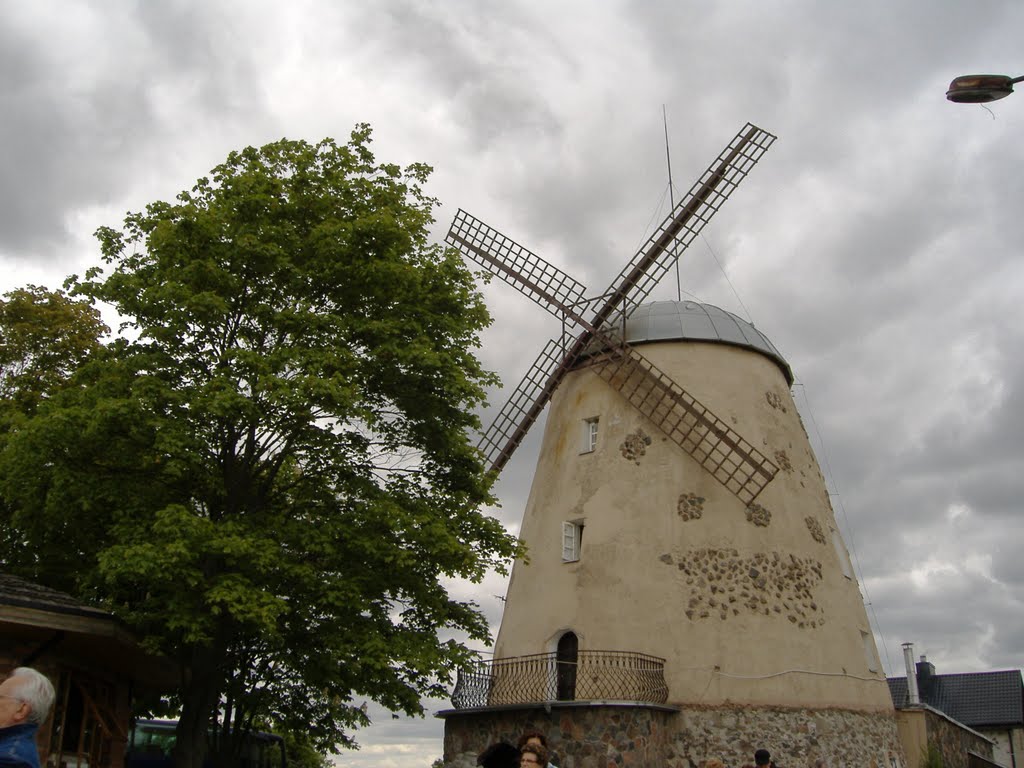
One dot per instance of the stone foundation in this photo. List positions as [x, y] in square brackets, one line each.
[613, 735]
[795, 737]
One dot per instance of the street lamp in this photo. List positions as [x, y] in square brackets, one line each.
[976, 89]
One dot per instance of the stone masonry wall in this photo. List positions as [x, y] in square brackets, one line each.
[607, 736]
[582, 736]
[795, 737]
[953, 742]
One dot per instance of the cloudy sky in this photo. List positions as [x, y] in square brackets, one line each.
[878, 243]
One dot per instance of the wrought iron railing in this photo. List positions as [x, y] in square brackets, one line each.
[543, 677]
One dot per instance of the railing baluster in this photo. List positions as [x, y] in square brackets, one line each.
[600, 675]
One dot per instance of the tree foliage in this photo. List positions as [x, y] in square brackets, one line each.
[300, 752]
[44, 336]
[268, 475]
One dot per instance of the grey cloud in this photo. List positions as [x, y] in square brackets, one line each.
[77, 140]
[877, 243]
[486, 87]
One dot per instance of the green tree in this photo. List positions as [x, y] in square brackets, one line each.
[269, 476]
[44, 336]
[301, 753]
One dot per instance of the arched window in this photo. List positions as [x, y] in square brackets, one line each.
[566, 657]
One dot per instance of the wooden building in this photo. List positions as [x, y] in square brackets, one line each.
[94, 663]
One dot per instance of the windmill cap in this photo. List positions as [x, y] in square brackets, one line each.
[694, 321]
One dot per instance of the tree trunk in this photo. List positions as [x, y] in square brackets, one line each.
[200, 694]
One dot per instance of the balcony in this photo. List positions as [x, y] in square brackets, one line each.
[543, 678]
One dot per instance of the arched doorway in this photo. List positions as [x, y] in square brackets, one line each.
[566, 658]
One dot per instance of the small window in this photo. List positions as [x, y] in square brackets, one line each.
[844, 559]
[869, 651]
[589, 435]
[572, 540]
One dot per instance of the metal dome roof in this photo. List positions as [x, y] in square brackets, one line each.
[693, 321]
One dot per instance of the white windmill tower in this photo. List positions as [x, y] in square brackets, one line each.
[687, 593]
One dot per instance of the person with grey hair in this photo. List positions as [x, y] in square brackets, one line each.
[26, 698]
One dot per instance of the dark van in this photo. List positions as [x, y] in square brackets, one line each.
[152, 742]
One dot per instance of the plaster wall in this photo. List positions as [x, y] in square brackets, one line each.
[913, 733]
[1008, 745]
[748, 605]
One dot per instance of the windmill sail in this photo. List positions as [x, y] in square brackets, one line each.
[724, 453]
[646, 269]
[523, 407]
[545, 283]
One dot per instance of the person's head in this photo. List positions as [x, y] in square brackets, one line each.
[532, 736]
[533, 756]
[499, 755]
[25, 697]
[762, 757]
[714, 762]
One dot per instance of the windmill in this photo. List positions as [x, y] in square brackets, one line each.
[723, 452]
[713, 603]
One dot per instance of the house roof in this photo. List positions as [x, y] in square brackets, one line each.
[15, 591]
[974, 699]
[47, 622]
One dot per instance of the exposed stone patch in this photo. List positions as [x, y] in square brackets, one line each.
[719, 583]
[775, 401]
[758, 515]
[635, 445]
[815, 528]
[690, 506]
[782, 459]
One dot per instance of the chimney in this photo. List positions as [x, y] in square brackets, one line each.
[913, 699]
[925, 676]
